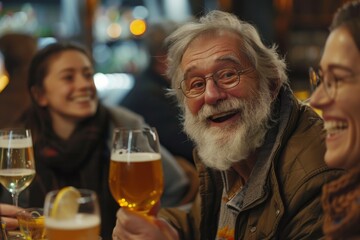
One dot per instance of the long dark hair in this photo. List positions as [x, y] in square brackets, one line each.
[37, 117]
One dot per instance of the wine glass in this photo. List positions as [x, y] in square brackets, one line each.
[17, 166]
[72, 213]
[136, 174]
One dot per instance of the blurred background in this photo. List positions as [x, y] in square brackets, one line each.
[114, 30]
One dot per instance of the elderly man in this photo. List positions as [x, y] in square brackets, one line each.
[259, 151]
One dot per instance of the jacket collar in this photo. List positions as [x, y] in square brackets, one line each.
[256, 189]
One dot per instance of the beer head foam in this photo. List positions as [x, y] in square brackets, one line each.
[81, 221]
[15, 143]
[134, 157]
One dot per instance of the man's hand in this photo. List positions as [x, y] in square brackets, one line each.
[135, 226]
[8, 215]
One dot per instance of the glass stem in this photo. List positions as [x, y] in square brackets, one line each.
[15, 197]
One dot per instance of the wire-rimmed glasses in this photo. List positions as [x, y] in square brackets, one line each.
[316, 76]
[330, 81]
[225, 78]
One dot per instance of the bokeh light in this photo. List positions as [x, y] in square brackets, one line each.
[138, 27]
[114, 30]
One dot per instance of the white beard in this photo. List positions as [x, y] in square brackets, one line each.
[220, 148]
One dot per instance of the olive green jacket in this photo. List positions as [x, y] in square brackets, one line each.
[288, 204]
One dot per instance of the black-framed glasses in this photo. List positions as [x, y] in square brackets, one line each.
[225, 78]
[329, 82]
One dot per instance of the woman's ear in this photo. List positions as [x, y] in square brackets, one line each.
[39, 96]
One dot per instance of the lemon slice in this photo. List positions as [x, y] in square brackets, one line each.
[66, 204]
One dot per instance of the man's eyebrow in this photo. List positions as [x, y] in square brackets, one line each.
[226, 58]
[230, 58]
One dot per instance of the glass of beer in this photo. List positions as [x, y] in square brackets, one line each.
[136, 175]
[72, 214]
[17, 167]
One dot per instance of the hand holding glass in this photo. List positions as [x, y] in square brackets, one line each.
[136, 175]
[17, 167]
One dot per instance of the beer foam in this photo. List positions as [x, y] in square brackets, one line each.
[135, 157]
[16, 172]
[15, 143]
[81, 221]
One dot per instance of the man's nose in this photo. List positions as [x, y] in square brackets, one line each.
[213, 93]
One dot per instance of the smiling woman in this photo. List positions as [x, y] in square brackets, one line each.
[258, 150]
[337, 96]
[67, 91]
[72, 130]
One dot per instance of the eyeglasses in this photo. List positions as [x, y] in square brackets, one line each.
[317, 78]
[224, 79]
[330, 82]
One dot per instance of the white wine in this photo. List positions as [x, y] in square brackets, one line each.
[17, 165]
[16, 179]
[17, 168]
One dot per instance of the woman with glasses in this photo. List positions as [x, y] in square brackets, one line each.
[338, 97]
[259, 151]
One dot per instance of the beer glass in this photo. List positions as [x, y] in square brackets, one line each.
[17, 167]
[73, 217]
[136, 175]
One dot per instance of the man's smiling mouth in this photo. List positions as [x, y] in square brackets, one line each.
[222, 117]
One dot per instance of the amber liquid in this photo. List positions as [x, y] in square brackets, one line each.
[32, 228]
[136, 180]
[83, 227]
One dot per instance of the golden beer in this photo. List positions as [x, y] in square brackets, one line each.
[82, 227]
[136, 180]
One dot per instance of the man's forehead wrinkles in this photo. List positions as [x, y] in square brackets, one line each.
[221, 59]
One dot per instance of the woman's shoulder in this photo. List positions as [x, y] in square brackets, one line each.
[124, 117]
